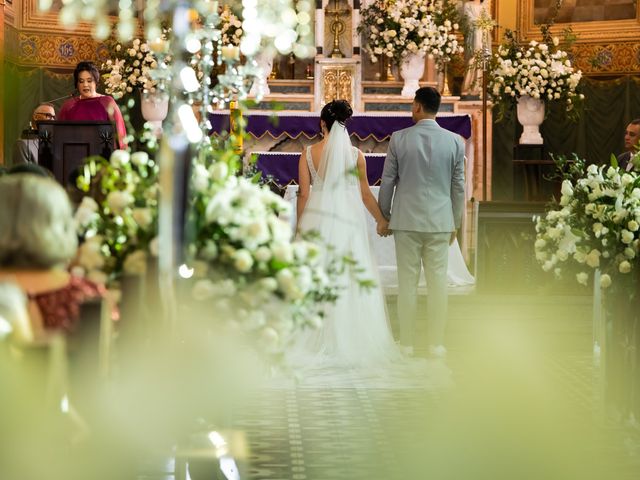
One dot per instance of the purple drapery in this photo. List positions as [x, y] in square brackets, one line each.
[283, 166]
[362, 126]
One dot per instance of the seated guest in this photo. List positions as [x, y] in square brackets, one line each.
[631, 144]
[31, 168]
[90, 105]
[25, 150]
[37, 241]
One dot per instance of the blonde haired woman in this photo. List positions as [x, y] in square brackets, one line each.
[37, 241]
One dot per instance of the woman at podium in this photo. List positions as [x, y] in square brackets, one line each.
[91, 105]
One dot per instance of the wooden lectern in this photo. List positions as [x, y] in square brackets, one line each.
[63, 146]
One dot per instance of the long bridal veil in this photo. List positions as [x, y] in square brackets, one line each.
[355, 335]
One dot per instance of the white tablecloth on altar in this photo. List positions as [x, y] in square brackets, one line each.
[385, 252]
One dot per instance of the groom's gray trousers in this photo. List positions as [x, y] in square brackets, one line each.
[413, 251]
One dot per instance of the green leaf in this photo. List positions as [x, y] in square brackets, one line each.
[614, 161]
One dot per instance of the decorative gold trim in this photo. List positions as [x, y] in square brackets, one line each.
[47, 50]
[587, 32]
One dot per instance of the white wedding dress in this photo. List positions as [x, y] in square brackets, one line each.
[355, 344]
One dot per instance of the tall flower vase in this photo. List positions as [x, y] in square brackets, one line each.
[155, 106]
[530, 115]
[412, 69]
[264, 61]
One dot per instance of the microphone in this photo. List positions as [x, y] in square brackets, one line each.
[60, 98]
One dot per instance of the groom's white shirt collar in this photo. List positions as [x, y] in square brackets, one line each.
[426, 121]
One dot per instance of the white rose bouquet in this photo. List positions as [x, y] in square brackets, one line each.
[247, 265]
[130, 69]
[540, 70]
[119, 230]
[231, 27]
[397, 28]
[596, 223]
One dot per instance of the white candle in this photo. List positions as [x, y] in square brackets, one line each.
[158, 45]
[229, 52]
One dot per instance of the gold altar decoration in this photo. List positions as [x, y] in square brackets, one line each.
[388, 73]
[337, 83]
[337, 28]
[446, 91]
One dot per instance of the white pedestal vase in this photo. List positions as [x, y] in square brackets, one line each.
[154, 107]
[530, 115]
[412, 69]
[264, 60]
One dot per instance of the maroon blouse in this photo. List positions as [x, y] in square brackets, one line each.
[102, 107]
[61, 308]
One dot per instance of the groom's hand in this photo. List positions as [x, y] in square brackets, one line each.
[453, 237]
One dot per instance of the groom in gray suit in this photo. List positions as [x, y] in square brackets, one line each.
[425, 167]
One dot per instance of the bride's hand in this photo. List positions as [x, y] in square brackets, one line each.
[382, 228]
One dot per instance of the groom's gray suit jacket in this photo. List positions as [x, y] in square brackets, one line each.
[425, 164]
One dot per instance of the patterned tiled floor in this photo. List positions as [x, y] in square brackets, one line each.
[525, 406]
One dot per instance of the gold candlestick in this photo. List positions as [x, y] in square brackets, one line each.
[445, 82]
[389, 77]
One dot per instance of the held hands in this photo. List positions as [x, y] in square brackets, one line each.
[382, 228]
[453, 237]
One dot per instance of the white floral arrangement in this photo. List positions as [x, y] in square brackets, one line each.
[595, 225]
[540, 70]
[399, 28]
[119, 231]
[231, 28]
[246, 267]
[130, 69]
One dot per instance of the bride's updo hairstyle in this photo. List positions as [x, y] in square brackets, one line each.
[337, 110]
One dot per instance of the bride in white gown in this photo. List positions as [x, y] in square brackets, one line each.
[334, 193]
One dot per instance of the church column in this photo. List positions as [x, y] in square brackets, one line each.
[2, 73]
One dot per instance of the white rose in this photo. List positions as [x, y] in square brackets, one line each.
[139, 158]
[242, 260]
[219, 171]
[582, 278]
[629, 252]
[89, 255]
[605, 281]
[119, 158]
[136, 263]
[282, 252]
[86, 212]
[200, 178]
[624, 267]
[117, 201]
[269, 284]
[633, 225]
[142, 216]
[263, 254]
[626, 236]
[593, 258]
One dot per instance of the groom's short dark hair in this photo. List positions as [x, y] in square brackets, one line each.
[429, 99]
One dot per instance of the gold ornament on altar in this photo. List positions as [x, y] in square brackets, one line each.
[337, 83]
[337, 28]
